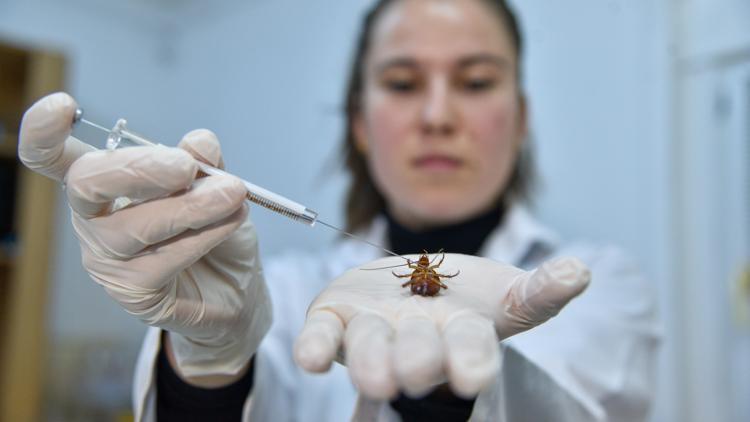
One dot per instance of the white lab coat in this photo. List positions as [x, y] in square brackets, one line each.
[593, 362]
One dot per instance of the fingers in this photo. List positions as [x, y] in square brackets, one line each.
[319, 341]
[45, 144]
[418, 355]
[369, 356]
[413, 356]
[473, 353]
[130, 230]
[98, 178]
[537, 296]
[151, 271]
[367, 340]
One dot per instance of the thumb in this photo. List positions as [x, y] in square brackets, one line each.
[45, 144]
[538, 295]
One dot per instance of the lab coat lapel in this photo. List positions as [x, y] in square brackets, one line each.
[515, 240]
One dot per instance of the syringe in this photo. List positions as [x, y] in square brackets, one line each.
[120, 136]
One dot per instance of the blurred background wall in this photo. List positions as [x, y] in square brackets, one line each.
[641, 124]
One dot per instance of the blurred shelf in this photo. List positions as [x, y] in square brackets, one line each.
[25, 76]
[14, 77]
[9, 145]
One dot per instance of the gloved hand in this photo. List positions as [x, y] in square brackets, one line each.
[392, 340]
[178, 253]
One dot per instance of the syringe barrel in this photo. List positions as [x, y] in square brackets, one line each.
[270, 200]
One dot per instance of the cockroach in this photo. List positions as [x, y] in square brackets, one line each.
[424, 280]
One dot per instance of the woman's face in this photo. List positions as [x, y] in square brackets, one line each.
[442, 120]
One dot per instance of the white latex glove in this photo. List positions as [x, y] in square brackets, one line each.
[181, 255]
[392, 340]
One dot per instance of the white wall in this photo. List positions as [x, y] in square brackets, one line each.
[598, 78]
[272, 92]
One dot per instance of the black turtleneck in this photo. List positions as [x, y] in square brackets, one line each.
[465, 238]
[179, 401]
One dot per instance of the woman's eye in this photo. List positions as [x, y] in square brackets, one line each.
[478, 85]
[401, 85]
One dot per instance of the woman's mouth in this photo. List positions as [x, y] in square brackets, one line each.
[436, 162]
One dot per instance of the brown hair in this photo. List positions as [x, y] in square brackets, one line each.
[364, 201]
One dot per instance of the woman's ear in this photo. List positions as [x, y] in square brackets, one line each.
[360, 136]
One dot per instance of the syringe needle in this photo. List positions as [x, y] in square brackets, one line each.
[355, 237]
[92, 124]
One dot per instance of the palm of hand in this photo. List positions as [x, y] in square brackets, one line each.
[478, 288]
[391, 339]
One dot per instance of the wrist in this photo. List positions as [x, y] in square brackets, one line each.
[203, 380]
[227, 355]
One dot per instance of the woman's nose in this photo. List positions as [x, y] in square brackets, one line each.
[438, 114]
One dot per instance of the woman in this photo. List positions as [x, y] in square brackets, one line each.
[436, 123]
